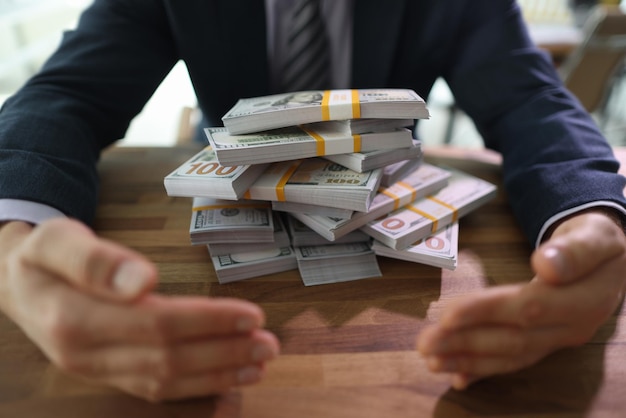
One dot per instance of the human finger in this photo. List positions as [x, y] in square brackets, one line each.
[487, 340]
[157, 319]
[176, 361]
[72, 252]
[12, 234]
[61, 320]
[577, 247]
[505, 304]
[461, 381]
[539, 304]
[488, 360]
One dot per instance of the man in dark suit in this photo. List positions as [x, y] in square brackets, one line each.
[96, 315]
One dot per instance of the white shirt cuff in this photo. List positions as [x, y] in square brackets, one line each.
[568, 212]
[27, 211]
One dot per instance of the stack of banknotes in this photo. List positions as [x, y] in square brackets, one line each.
[323, 182]
[264, 113]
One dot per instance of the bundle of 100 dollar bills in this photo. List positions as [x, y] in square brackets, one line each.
[296, 108]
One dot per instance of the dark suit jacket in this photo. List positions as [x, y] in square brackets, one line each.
[52, 131]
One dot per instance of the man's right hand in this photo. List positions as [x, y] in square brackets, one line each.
[88, 304]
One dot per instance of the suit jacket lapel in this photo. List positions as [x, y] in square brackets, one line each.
[373, 49]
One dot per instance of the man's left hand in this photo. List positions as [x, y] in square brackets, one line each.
[580, 279]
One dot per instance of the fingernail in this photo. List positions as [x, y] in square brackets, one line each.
[130, 279]
[439, 364]
[246, 324]
[250, 374]
[555, 256]
[460, 382]
[430, 348]
[262, 352]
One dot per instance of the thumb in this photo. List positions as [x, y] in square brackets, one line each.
[73, 252]
[578, 246]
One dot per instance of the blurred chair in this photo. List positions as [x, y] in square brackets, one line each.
[190, 118]
[552, 24]
[186, 126]
[593, 67]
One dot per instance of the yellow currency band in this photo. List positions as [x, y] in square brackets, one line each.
[410, 188]
[455, 213]
[325, 105]
[237, 205]
[280, 187]
[425, 215]
[356, 140]
[395, 198]
[320, 146]
[356, 105]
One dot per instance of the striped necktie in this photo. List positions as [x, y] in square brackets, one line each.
[306, 61]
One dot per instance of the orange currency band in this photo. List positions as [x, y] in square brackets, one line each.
[409, 188]
[455, 212]
[320, 145]
[325, 105]
[354, 102]
[356, 140]
[280, 187]
[356, 105]
[396, 198]
[425, 215]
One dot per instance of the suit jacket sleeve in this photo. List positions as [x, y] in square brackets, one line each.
[554, 156]
[53, 129]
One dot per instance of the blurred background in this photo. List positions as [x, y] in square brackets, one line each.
[30, 30]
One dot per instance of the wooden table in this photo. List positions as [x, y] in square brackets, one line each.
[347, 349]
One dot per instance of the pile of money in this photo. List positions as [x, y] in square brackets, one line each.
[425, 180]
[324, 184]
[423, 217]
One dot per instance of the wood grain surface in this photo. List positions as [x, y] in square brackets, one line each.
[348, 348]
